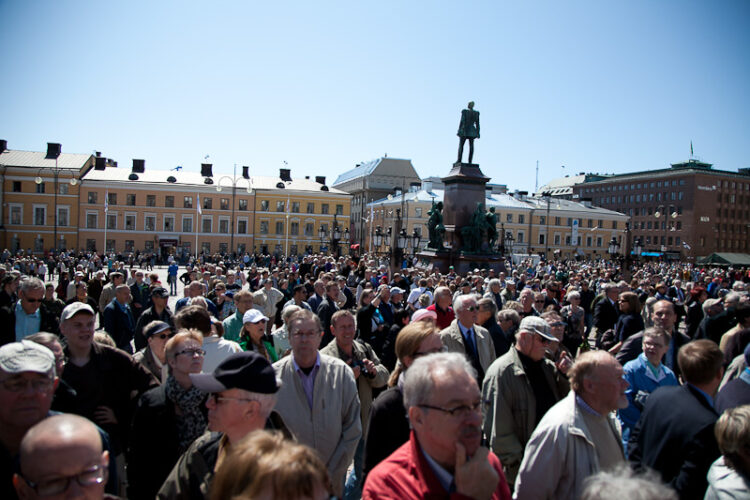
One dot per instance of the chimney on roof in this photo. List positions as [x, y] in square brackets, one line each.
[53, 150]
[427, 186]
[100, 163]
[286, 174]
[320, 179]
[246, 172]
[206, 170]
[97, 153]
[139, 166]
[3, 145]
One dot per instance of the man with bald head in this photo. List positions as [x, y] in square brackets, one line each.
[62, 457]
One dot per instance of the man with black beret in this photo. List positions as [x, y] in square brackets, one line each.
[242, 393]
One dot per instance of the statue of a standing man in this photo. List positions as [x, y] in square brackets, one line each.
[468, 129]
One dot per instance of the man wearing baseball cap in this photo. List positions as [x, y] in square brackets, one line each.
[25, 365]
[159, 311]
[242, 393]
[104, 378]
[520, 386]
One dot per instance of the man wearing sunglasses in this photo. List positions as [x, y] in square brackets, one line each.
[159, 311]
[519, 388]
[62, 457]
[27, 315]
[242, 393]
[153, 356]
[465, 336]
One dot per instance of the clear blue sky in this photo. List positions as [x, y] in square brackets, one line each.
[597, 86]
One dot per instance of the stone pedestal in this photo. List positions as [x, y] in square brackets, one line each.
[462, 264]
[464, 188]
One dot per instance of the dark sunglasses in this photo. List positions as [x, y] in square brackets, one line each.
[163, 335]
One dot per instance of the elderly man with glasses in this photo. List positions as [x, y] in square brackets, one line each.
[443, 457]
[27, 387]
[62, 456]
[318, 400]
[242, 394]
[519, 388]
[27, 315]
[465, 336]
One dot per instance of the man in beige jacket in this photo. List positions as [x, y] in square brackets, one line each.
[465, 336]
[318, 398]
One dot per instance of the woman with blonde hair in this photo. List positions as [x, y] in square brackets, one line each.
[264, 465]
[389, 427]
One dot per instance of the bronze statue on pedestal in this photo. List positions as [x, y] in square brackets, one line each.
[468, 129]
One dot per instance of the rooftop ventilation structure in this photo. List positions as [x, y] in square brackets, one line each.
[285, 174]
[246, 172]
[100, 163]
[54, 150]
[320, 179]
[171, 179]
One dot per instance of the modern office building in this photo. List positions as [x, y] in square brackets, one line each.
[688, 210]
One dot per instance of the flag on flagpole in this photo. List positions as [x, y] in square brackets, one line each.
[287, 203]
[684, 244]
[200, 211]
[691, 148]
[106, 201]
[372, 215]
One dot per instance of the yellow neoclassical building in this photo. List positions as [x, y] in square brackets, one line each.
[164, 211]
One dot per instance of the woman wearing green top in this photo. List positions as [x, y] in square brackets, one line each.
[253, 335]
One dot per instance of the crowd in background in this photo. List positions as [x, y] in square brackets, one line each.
[315, 376]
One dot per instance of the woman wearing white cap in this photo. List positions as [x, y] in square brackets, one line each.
[253, 335]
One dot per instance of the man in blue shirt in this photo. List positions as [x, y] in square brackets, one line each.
[27, 315]
[172, 278]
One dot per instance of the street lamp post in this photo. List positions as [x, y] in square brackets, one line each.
[548, 195]
[614, 248]
[234, 180]
[415, 239]
[666, 214]
[637, 248]
[53, 151]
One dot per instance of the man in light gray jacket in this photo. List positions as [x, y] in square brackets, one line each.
[318, 398]
[579, 436]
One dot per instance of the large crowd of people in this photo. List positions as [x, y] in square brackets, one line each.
[320, 376]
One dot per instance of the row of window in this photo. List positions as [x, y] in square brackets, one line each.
[673, 226]
[281, 206]
[185, 247]
[637, 198]
[15, 215]
[662, 240]
[62, 187]
[207, 203]
[634, 186]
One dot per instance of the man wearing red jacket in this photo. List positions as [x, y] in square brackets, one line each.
[443, 457]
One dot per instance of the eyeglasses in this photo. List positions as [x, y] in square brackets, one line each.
[461, 411]
[472, 308]
[32, 301]
[192, 352]
[164, 336]
[651, 344]
[545, 341]
[39, 385]
[219, 399]
[91, 476]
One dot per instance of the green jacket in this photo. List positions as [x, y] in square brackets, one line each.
[232, 326]
[509, 410]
